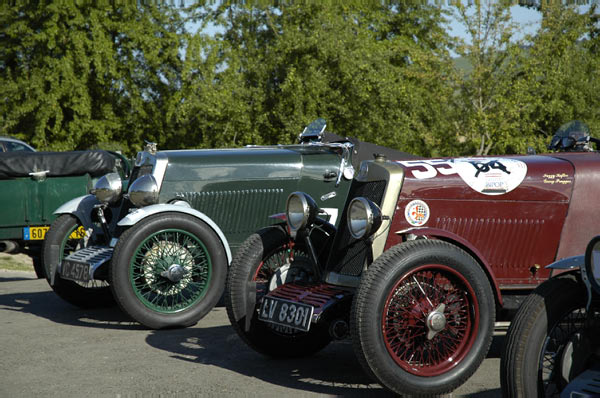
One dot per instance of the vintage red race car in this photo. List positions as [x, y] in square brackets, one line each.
[432, 253]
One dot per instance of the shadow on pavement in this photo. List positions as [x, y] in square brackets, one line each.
[333, 371]
[49, 306]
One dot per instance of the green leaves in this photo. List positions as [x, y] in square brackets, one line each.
[77, 76]
[520, 92]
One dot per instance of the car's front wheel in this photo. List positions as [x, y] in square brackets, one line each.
[423, 317]
[64, 237]
[265, 261]
[168, 270]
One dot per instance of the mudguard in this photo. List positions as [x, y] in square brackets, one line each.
[456, 239]
[81, 207]
[568, 263]
[180, 207]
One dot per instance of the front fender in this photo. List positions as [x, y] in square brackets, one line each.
[424, 232]
[81, 208]
[182, 207]
[568, 263]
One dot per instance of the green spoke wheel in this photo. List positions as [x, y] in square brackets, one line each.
[155, 261]
[168, 270]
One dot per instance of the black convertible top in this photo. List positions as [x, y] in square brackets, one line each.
[73, 163]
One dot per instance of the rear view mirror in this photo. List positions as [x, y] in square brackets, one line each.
[314, 131]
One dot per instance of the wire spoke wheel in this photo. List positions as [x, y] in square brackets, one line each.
[551, 341]
[423, 318]
[66, 235]
[265, 261]
[573, 324]
[421, 338]
[170, 271]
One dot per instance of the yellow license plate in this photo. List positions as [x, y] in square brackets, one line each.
[39, 233]
[35, 233]
[79, 233]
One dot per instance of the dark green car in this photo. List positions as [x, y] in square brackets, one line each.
[166, 244]
[33, 184]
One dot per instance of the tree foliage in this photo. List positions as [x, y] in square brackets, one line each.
[520, 92]
[374, 72]
[76, 76]
[561, 73]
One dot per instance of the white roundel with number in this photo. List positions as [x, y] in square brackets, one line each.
[491, 176]
[417, 213]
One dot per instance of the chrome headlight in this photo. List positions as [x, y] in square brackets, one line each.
[300, 210]
[364, 218]
[108, 188]
[592, 263]
[144, 191]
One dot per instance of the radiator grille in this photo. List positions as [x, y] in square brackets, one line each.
[241, 211]
[349, 255]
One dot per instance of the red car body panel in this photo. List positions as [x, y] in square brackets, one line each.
[514, 221]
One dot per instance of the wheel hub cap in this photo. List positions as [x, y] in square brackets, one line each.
[174, 273]
[436, 321]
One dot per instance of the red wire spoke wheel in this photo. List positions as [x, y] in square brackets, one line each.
[423, 317]
[422, 339]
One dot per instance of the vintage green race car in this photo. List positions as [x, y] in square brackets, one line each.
[166, 244]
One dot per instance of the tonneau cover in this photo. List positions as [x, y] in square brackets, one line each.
[365, 150]
[21, 164]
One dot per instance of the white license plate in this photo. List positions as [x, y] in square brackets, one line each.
[286, 313]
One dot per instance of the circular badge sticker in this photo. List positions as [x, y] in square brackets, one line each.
[417, 213]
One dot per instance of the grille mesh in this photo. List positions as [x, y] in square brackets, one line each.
[349, 255]
[237, 211]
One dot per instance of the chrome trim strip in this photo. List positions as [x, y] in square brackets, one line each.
[160, 168]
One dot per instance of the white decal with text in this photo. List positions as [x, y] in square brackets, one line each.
[489, 176]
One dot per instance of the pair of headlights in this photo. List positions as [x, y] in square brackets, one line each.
[363, 216]
[142, 192]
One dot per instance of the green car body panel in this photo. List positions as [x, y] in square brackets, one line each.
[239, 189]
[26, 202]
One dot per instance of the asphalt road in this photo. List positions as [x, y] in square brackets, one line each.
[50, 348]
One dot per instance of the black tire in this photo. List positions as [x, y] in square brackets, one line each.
[145, 253]
[57, 245]
[38, 266]
[398, 294]
[257, 260]
[535, 341]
